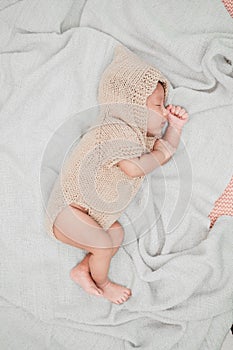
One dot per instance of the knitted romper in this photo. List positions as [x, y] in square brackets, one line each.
[90, 177]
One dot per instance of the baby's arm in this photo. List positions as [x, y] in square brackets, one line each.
[143, 165]
[177, 118]
[163, 148]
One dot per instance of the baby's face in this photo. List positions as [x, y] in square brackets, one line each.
[155, 102]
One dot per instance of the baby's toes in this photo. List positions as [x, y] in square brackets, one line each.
[127, 292]
[122, 299]
[125, 295]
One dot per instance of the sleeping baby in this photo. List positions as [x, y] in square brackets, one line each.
[106, 168]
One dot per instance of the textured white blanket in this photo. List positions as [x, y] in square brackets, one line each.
[52, 55]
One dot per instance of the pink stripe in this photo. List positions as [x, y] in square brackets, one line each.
[229, 6]
[223, 205]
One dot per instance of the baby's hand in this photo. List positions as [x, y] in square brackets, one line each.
[177, 116]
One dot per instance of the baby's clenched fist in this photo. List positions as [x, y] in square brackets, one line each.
[177, 116]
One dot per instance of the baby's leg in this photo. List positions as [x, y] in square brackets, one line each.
[88, 235]
[80, 273]
[114, 231]
[117, 234]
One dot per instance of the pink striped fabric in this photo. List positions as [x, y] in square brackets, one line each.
[224, 204]
[229, 6]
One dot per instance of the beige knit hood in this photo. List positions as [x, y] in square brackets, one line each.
[126, 84]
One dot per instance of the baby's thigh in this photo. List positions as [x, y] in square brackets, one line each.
[117, 233]
[72, 223]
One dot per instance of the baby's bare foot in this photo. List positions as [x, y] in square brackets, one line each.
[115, 292]
[81, 275]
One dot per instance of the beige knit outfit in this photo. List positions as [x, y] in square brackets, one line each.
[90, 176]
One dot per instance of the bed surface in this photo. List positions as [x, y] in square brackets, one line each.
[179, 230]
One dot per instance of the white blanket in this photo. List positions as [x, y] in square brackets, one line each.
[53, 53]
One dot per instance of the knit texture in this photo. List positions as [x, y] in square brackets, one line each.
[90, 176]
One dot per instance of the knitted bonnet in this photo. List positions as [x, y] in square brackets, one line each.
[128, 81]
